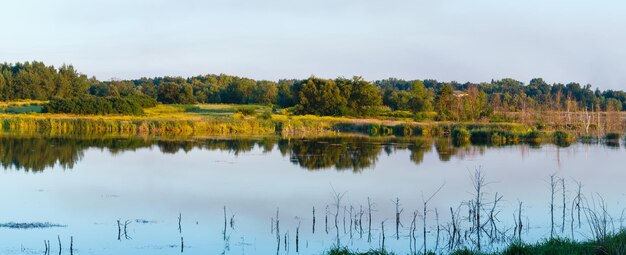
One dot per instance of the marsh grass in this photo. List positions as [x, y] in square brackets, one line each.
[227, 119]
[614, 244]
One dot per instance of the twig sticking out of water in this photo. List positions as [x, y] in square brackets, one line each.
[286, 242]
[225, 224]
[180, 229]
[476, 205]
[412, 239]
[552, 192]
[313, 220]
[344, 219]
[338, 197]
[232, 220]
[326, 220]
[398, 212]
[600, 221]
[517, 231]
[71, 245]
[361, 221]
[438, 228]
[425, 201]
[119, 231]
[576, 202]
[351, 220]
[298, 238]
[382, 227]
[277, 232]
[454, 231]
[494, 234]
[60, 247]
[125, 229]
[564, 207]
[369, 219]
[46, 244]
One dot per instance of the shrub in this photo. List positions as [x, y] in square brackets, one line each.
[533, 135]
[460, 135]
[192, 108]
[562, 138]
[246, 111]
[266, 116]
[96, 105]
[612, 136]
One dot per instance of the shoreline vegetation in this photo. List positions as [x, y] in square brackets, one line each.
[612, 244]
[41, 98]
[224, 120]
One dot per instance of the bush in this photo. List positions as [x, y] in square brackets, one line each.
[612, 136]
[460, 135]
[192, 108]
[246, 111]
[562, 138]
[97, 105]
[533, 135]
[481, 135]
[266, 116]
[142, 100]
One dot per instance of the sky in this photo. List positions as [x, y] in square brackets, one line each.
[447, 40]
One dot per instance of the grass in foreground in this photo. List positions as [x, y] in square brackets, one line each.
[615, 244]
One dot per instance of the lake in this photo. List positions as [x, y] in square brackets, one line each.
[260, 195]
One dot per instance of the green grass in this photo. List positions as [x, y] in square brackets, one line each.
[615, 244]
[246, 119]
[24, 109]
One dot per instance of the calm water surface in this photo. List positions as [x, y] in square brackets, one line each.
[88, 184]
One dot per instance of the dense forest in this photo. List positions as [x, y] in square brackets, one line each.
[340, 96]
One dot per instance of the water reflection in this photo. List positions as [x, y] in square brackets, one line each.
[36, 153]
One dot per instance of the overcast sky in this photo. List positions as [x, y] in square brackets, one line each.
[460, 40]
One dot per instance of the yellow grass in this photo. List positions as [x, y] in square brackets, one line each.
[5, 104]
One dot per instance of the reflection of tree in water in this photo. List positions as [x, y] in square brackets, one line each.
[445, 149]
[341, 153]
[36, 153]
[234, 146]
[418, 148]
[33, 154]
[354, 153]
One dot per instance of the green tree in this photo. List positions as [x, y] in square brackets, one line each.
[168, 92]
[320, 97]
[420, 98]
[445, 103]
[364, 97]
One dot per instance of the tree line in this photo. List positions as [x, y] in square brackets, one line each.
[319, 96]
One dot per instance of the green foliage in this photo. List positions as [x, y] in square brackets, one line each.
[266, 116]
[339, 97]
[562, 138]
[533, 135]
[445, 101]
[193, 108]
[355, 97]
[460, 135]
[35, 80]
[246, 111]
[612, 136]
[95, 105]
[320, 97]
